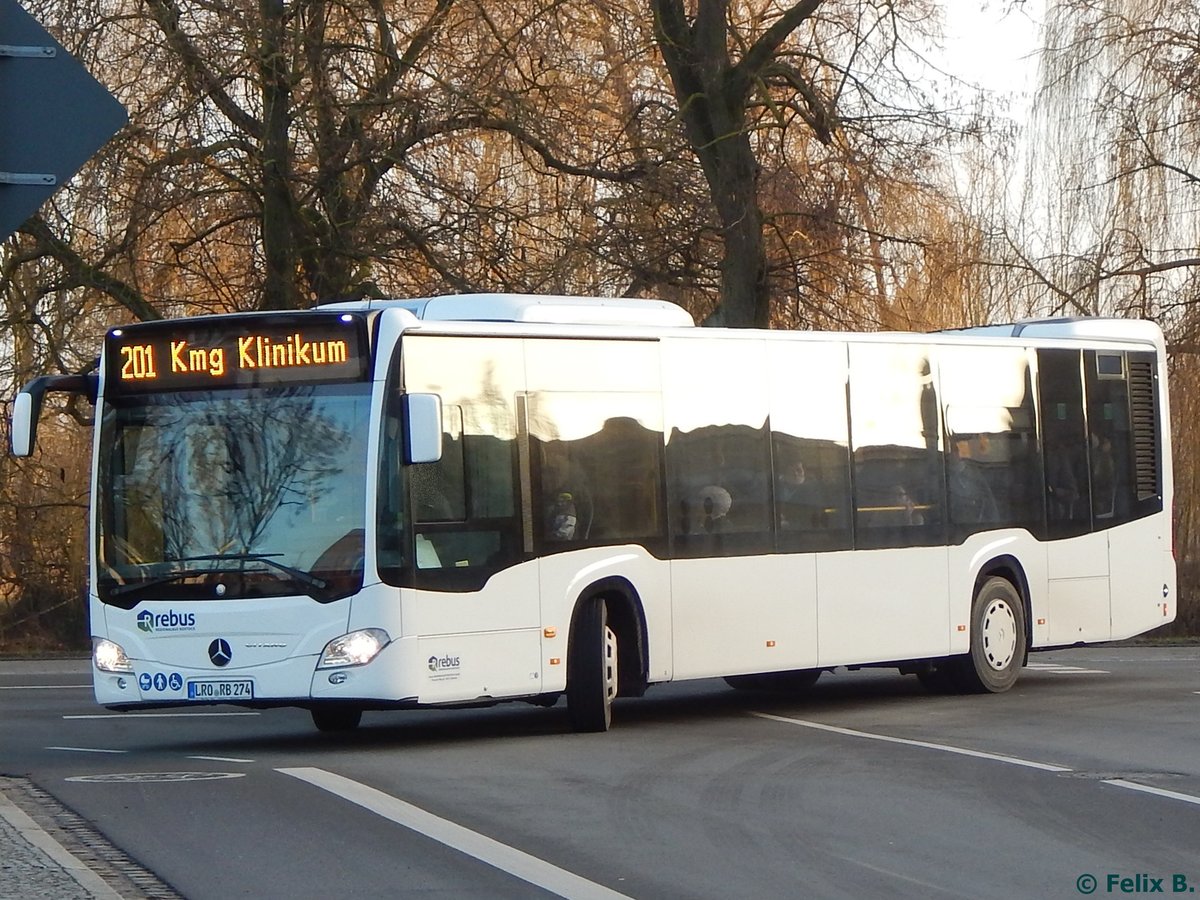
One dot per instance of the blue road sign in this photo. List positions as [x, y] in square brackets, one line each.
[53, 116]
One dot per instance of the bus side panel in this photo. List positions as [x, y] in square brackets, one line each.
[883, 605]
[1080, 602]
[1143, 577]
[744, 614]
[483, 643]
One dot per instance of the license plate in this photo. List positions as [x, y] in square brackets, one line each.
[220, 690]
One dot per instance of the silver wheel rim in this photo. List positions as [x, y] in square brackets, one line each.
[999, 633]
[610, 665]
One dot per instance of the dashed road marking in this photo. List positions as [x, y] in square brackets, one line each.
[925, 745]
[1056, 669]
[187, 715]
[42, 687]
[1158, 792]
[979, 754]
[86, 750]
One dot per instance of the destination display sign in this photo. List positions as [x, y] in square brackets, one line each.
[247, 351]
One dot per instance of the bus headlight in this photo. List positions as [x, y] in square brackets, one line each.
[354, 649]
[110, 657]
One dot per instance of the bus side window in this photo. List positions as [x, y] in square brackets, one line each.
[1064, 443]
[896, 435]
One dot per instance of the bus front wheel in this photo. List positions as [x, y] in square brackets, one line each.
[592, 669]
[997, 639]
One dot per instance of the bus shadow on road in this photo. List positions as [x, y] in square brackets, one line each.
[694, 703]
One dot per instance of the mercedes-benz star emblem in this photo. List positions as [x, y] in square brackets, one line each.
[220, 652]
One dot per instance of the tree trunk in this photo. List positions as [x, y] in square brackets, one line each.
[278, 237]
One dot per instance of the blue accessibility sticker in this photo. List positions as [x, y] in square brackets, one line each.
[145, 682]
[176, 681]
[160, 681]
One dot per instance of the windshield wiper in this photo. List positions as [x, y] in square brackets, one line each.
[118, 590]
[306, 578]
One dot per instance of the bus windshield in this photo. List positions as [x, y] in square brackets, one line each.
[233, 493]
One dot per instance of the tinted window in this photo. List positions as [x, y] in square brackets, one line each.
[598, 468]
[810, 445]
[993, 468]
[464, 508]
[1064, 443]
[718, 451]
[896, 439]
[1122, 417]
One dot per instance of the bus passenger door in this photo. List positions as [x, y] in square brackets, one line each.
[1076, 557]
[475, 610]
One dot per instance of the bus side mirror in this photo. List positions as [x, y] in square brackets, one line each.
[422, 417]
[28, 405]
[24, 424]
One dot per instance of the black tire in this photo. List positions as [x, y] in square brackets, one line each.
[793, 681]
[336, 718]
[997, 639]
[592, 669]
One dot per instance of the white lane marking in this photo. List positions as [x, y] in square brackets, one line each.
[507, 859]
[93, 884]
[1065, 670]
[187, 715]
[944, 748]
[42, 687]
[1157, 792]
[86, 750]
[232, 759]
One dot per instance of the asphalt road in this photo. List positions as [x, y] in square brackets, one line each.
[1084, 779]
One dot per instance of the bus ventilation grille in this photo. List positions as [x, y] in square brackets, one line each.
[1145, 428]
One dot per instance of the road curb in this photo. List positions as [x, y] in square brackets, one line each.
[29, 843]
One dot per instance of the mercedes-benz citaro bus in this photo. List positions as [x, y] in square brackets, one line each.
[463, 500]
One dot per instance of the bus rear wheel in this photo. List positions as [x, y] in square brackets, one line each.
[592, 669]
[997, 639]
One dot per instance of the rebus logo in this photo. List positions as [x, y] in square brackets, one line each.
[169, 621]
[437, 663]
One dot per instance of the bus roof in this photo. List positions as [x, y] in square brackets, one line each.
[533, 308]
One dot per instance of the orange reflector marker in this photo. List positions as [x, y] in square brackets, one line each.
[770, 643]
[962, 628]
[1041, 621]
[555, 661]
[550, 631]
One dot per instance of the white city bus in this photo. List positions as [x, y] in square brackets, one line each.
[463, 500]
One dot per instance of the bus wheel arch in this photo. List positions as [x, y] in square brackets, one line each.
[608, 632]
[1008, 568]
[1000, 611]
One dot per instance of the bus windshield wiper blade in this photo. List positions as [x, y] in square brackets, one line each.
[306, 578]
[118, 590]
